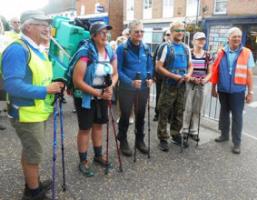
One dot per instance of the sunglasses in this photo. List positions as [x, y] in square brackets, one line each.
[179, 30]
[167, 34]
[139, 31]
[104, 33]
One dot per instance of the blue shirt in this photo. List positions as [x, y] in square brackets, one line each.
[17, 75]
[232, 55]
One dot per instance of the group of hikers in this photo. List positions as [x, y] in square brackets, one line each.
[180, 75]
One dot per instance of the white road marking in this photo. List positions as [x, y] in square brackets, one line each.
[250, 136]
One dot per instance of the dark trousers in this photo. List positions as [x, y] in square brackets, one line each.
[233, 103]
[126, 100]
[158, 85]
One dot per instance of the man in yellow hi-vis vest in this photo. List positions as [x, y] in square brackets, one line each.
[27, 75]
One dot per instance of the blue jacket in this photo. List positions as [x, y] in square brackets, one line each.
[17, 76]
[88, 49]
[129, 64]
[226, 80]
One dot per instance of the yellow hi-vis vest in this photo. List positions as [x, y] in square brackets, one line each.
[41, 76]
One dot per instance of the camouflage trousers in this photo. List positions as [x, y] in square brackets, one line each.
[172, 100]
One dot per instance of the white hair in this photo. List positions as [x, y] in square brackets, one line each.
[133, 24]
[26, 23]
[175, 25]
[234, 30]
[1, 27]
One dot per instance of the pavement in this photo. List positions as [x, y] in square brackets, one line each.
[208, 172]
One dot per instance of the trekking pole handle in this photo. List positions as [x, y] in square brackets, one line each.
[138, 76]
[148, 76]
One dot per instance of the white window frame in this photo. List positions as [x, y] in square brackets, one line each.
[167, 8]
[189, 8]
[147, 9]
[215, 6]
[130, 9]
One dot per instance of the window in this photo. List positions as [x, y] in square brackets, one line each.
[168, 7]
[220, 7]
[192, 8]
[130, 9]
[148, 35]
[148, 4]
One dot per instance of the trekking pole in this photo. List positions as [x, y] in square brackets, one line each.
[115, 136]
[61, 96]
[107, 148]
[189, 127]
[54, 146]
[199, 122]
[148, 109]
[138, 77]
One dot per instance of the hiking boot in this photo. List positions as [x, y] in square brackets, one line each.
[164, 146]
[85, 169]
[40, 196]
[221, 138]
[102, 162]
[46, 185]
[124, 148]
[236, 149]
[177, 139]
[194, 137]
[140, 145]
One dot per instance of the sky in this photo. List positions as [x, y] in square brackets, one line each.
[13, 8]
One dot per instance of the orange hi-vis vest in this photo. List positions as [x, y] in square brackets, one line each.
[241, 68]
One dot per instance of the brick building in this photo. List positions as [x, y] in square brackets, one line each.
[215, 16]
[112, 8]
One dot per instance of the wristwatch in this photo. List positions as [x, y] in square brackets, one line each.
[250, 92]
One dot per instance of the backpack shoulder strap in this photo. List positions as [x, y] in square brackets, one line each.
[171, 50]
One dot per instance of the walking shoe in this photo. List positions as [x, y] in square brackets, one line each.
[221, 138]
[164, 146]
[140, 145]
[177, 139]
[85, 169]
[194, 137]
[236, 149]
[102, 161]
[40, 196]
[124, 148]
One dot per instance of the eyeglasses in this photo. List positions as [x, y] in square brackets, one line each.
[41, 25]
[167, 34]
[179, 30]
[139, 31]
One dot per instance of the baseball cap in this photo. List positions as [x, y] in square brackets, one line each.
[34, 14]
[98, 26]
[199, 35]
